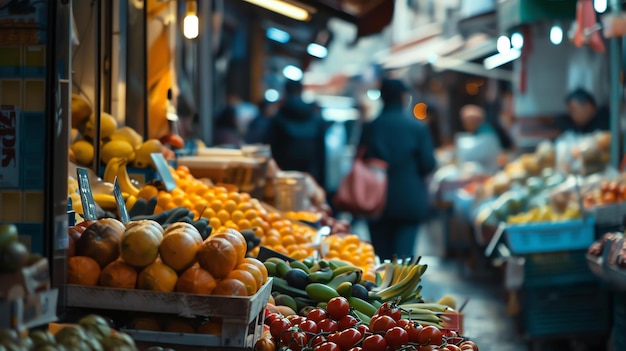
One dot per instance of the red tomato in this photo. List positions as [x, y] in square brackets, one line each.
[317, 314]
[374, 317]
[317, 340]
[265, 344]
[374, 342]
[347, 321]
[390, 309]
[278, 326]
[271, 317]
[402, 322]
[295, 319]
[327, 346]
[363, 329]
[295, 340]
[334, 338]
[452, 347]
[349, 338]
[464, 345]
[396, 337]
[382, 323]
[338, 307]
[413, 331]
[309, 326]
[430, 335]
[327, 325]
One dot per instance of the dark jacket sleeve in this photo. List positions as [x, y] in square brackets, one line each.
[426, 152]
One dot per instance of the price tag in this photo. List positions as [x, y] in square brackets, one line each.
[86, 197]
[164, 171]
[119, 199]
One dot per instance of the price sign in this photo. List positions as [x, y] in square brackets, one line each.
[164, 171]
[86, 197]
[119, 199]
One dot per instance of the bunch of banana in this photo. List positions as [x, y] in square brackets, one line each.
[116, 167]
[313, 283]
[400, 281]
[424, 313]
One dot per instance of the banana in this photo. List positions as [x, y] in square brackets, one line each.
[301, 265]
[125, 183]
[353, 277]
[280, 285]
[394, 291]
[130, 202]
[362, 306]
[418, 311]
[387, 276]
[345, 289]
[335, 263]
[372, 296]
[323, 275]
[320, 292]
[111, 169]
[409, 291]
[345, 269]
[105, 201]
[435, 307]
[282, 268]
[397, 273]
[427, 323]
[271, 268]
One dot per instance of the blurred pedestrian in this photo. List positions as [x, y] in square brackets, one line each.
[473, 119]
[584, 115]
[405, 143]
[225, 130]
[257, 129]
[296, 135]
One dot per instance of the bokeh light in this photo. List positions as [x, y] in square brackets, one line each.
[420, 110]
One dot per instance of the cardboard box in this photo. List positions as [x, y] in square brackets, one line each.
[27, 281]
[30, 311]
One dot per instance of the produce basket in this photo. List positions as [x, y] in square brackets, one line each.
[557, 268]
[550, 236]
[242, 316]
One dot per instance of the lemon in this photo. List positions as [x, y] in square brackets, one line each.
[128, 134]
[80, 110]
[117, 148]
[108, 125]
[83, 152]
[143, 158]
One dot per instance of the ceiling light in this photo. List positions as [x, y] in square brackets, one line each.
[556, 35]
[517, 40]
[278, 35]
[498, 60]
[272, 95]
[600, 5]
[317, 50]
[503, 44]
[284, 8]
[292, 72]
[191, 22]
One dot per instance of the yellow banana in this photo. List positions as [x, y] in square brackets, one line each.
[435, 307]
[396, 290]
[130, 201]
[106, 201]
[387, 276]
[397, 273]
[112, 168]
[123, 178]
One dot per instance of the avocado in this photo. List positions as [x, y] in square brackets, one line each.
[360, 291]
[13, 257]
[297, 278]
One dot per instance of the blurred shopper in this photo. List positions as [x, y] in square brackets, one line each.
[473, 119]
[257, 129]
[225, 130]
[406, 145]
[297, 135]
[584, 115]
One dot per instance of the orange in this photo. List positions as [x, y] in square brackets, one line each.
[234, 196]
[208, 213]
[258, 264]
[183, 168]
[216, 205]
[223, 216]
[215, 223]
[177, 192]
[140, 244]
[258, 232]
[301, 239]
[218, 256]
[163, 199]
[230, 205]
[236, 216]
[251, 214]
[230, 287]
[236, 239]
[157, 277]
[245, 197]
[178, 199]
[280, 249]
[83, 270]
[244, 224]
[179, 249]
[273, 216]
[196, 280]
[272, 232]
[271, 240]
[220, 190]
[222, 197]
[285, 231]
[256, 272]
[147, 192]
[118, 274]
[288, 240]
[244, 206]
[246, 278]
[230, 224]
[257, 222]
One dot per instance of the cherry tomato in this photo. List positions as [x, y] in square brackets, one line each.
[374, 317]
[347, 321]
[317, 340]
[464, 345]
[349, 338]
[295, 319]
[363, 329]
[413, 330]
[338, 307]
[452, 347]
[390, 309]
[402, 322]
[374, 342]
[327, 325]
[295, 340]
[265, 344]
[309, 326]
[278, 326]
[271, 317]
[396, 337]
[382, 323]
[430, 335]
[327, 346]
[317, 314]
[334, 338]
[358, 348]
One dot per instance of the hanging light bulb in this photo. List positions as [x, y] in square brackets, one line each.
[191, 22]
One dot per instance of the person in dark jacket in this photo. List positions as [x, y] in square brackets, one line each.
[406, 145]
[225, 128]
[257, 129]
[296, 135]
[584, 115]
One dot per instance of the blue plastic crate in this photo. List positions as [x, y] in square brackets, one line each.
[565, 310]
[550, 236]
[569, 267]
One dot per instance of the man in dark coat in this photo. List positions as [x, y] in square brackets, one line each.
[296, 135]
[584, 116]
[406, 145]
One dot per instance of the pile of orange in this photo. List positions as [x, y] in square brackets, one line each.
[225, 208]
[351, 249]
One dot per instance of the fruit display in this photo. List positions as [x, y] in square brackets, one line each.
[300, 286]
[545, 214]
[609, 192]
[351, 249]
[336, 327]
[168, 256]
[91, 333]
